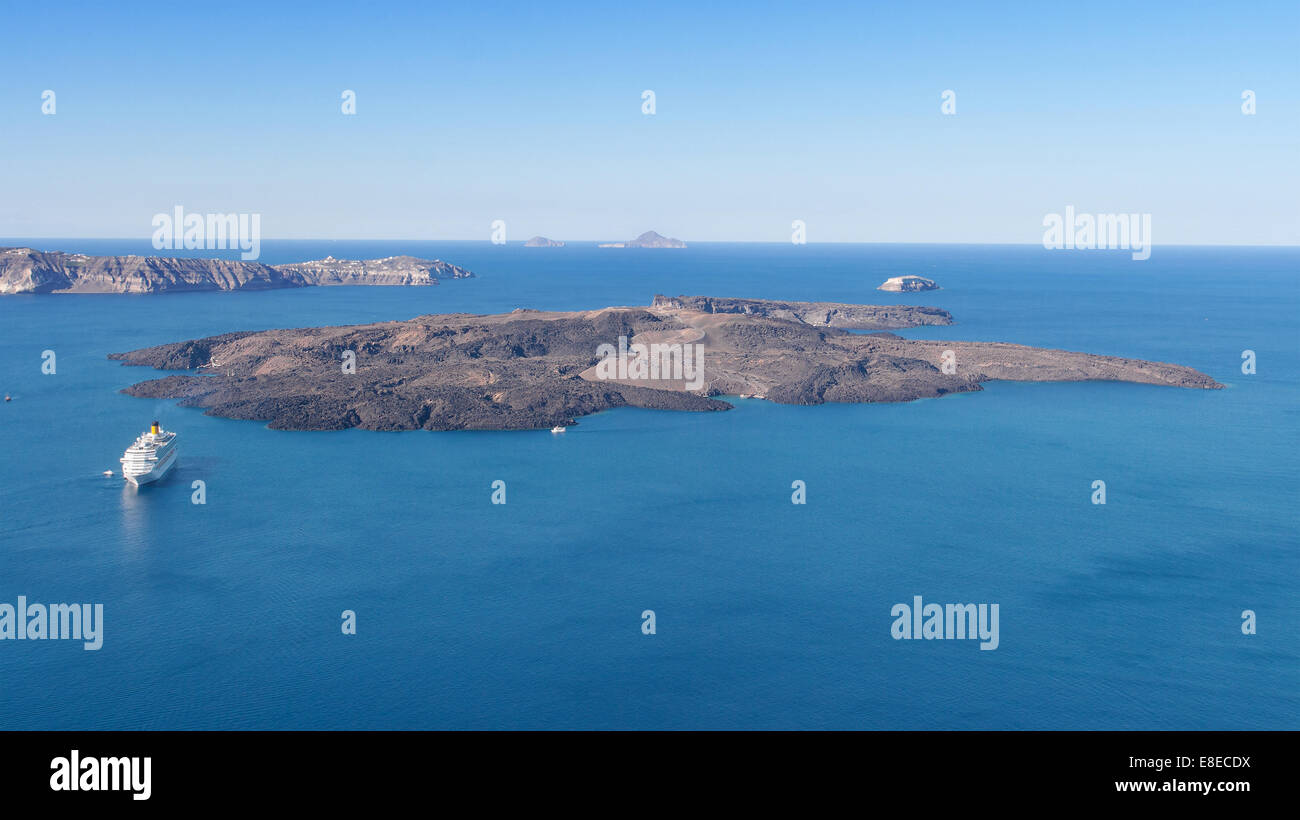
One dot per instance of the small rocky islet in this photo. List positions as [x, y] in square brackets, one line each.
[907, 284]
[649, 239]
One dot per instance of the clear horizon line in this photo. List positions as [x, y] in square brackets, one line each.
[688, 242]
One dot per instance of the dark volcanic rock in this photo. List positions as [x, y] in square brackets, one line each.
[528, 369]
[824, 314]
[181, 355]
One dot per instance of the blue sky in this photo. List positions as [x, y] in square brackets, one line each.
[765, 113]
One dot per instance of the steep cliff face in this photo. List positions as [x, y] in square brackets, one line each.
[23, 270]
[393, 270]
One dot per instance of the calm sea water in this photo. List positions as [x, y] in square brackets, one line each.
[768, 614]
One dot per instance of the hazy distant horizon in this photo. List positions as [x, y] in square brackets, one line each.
[23, 240]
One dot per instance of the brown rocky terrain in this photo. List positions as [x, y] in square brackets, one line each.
[820, 314]
[529, 369]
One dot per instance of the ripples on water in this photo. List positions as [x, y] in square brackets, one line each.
[768, 614]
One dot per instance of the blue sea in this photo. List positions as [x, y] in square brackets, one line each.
[768, 614]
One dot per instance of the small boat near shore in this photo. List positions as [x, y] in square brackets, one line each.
[558, 429]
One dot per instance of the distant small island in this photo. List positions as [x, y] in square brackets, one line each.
[543, 242]
[24, 270]
[908, 284]
[649, 239]
[817, 314]
[530, 369]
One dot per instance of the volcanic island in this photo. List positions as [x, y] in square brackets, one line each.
[529, 369]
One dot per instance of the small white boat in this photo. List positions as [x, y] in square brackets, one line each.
[558, 429]
[108, 472]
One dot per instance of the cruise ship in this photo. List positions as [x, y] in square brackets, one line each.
[150, 457]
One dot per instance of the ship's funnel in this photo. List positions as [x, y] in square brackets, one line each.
[153, 428]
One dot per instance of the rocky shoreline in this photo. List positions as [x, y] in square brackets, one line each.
[530, 369]
[818, 314]
[24, 270]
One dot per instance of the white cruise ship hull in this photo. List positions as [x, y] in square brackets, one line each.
[151, 457]
[157, 472]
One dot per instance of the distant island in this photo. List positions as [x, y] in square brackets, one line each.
[24, 270]
[543, 242]
[649, 239]
[908, 284]
[391, 270]
[817, 314]
[529, 369]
